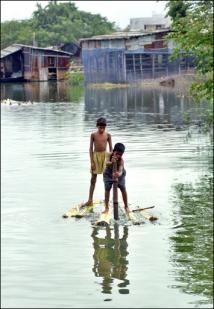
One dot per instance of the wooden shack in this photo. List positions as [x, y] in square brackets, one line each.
[31, 63]
[130, 56]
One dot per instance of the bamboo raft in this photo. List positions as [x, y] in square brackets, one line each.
[80, 210]
[136, 216]
[104, 219]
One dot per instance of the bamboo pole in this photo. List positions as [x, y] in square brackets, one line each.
[115, 193]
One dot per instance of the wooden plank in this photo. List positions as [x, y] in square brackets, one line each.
[148, 215]
[144, 212]
[71, 212]
[133, 218]
[80, 210]
[103, 220]
[138, 209]
[83, 211]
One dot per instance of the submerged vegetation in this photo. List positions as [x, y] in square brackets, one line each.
[109, 85]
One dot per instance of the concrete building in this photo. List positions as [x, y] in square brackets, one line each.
[149, 24]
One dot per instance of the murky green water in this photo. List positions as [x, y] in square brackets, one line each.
[50, 262]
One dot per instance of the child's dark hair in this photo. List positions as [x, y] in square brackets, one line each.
[101, 121]
[119, 147]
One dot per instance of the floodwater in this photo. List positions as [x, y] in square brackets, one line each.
[51, 262]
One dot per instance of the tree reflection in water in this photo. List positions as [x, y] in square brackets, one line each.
[192, 242]
[110, 257]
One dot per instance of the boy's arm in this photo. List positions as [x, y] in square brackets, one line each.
[91, 147]
[108, 162]
[121, 167]
[110, 142]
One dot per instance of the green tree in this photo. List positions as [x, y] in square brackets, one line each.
[16, 32]
[54, 24]
[176, 9]
[62, 22]
[193, 35]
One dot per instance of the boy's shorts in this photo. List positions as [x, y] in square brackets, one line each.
[99, 160]
[108, 182]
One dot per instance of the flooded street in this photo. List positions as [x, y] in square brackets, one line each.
[51, 262]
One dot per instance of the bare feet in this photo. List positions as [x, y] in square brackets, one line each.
[105, 211]
[127, 210]
[89, 203]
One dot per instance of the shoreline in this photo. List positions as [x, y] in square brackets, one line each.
[182, 83]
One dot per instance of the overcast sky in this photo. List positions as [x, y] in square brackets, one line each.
[119, 12]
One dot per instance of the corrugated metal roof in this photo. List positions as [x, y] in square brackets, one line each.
[10, 50]
[16, 47]
[45, 48]
[113, 36]
[122, 35]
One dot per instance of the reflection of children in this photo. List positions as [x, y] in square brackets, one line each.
[110, 258]
[97, 151]
[109, 175]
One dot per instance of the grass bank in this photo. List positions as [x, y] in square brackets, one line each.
[182, 83]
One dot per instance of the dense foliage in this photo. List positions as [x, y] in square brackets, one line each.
[192, 31]
[176, 9]
[54, 24]
[75, 78]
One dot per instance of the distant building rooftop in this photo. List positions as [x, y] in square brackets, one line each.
[10, 50]
[156, 20]
[123, 35]
[16, 47]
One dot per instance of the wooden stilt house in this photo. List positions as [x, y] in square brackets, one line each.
[31, 63]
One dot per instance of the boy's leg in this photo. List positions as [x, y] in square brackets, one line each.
[91, 190]
[122, 187]
[107, 178]
[107, 195]
[125, 200]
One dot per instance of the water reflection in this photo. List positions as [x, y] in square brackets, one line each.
[140, 104]
[45, 168]
[50, 91]
[110, 258]
[192, 245]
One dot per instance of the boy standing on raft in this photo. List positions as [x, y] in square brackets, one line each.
[97, 152]
[108, 175]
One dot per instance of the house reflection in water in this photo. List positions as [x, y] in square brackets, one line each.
[110, 258]
[146, 106]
